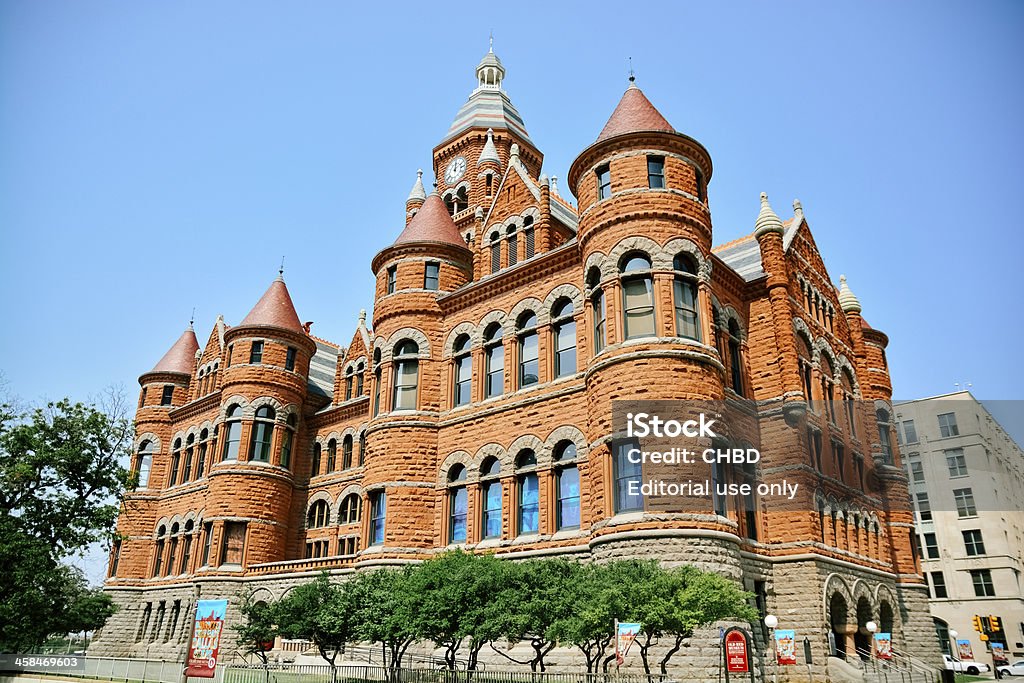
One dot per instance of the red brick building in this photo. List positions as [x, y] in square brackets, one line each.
[475, 411]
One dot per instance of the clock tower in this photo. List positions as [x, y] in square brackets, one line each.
[469, 162]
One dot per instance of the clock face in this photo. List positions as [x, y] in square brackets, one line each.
[455, 169]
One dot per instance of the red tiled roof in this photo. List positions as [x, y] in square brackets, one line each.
[432, 224]
[275, 309]
[634, 113]
[182, 356]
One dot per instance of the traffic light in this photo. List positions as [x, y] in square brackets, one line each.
[993, 622]
[976, 620]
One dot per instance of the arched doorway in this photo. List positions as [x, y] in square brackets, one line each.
[885, 617]
[862, 637]
[838, 611]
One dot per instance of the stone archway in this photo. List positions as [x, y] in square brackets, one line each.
[862, 637]
[886, 620]
[838, 614]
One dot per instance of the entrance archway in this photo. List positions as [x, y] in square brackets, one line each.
[838, 612]
[862, 637]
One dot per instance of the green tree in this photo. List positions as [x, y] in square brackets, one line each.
[60, 486]
[534, 593]
[589, 622]
[258, 628]
[319, 611]
[454, 595]
[384, 611]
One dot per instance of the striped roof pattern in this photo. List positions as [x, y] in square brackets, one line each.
[489, 108]
[322, 367]
[744, 255]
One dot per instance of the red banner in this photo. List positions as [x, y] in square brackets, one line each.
[206, 635]
[737, 659]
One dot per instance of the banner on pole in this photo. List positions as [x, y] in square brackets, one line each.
[963, 648]
[883, 645]
[999, 654]
[205, 646]
[785, 646]
[625, 634]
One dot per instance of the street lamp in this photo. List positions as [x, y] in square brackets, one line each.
[772, 621]
[872, 627]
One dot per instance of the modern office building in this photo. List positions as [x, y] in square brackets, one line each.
[967, 484]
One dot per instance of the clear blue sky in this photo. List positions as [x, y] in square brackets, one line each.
[160, 156]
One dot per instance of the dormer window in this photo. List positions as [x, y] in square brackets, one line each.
[604, 182]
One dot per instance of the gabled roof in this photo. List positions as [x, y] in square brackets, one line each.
[181, 357]
[633, 114]
[275, 309]
[432, 223]
[743, 255]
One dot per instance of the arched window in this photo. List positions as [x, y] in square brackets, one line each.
[346, 452]
[529, 237]
[233, 433]
[186, 548]
[463, 371]
[319, 515]
[637, 296]
[190, 451]
[461, 200]
[360, 373]
[735, 357]
[158, 551]
[529, 359]
[144, 464]
[626, 470]
[494, 360]
[458, 504]
[287, 439]
[315, 466]
[172, 551]
[175, 463]
[882, 417]
[567, 485]
[263, 434]
[490, 486]
[848, 400]
[350, 508]
[495, 252]
[332, 455]
[529, 493]
[804, 356]
[376, 382]
[348, 384]
[406, 375]
[563, 333]
[204, 437]
[598, 307]
[362, 448]
[685, 296]
[827, 387]
[513, 245]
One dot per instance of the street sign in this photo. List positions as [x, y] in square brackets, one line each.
[737, 656]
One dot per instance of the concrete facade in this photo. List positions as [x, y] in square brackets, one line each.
[972, 549]
[506, 319]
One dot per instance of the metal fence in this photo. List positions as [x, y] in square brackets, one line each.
[158, 671]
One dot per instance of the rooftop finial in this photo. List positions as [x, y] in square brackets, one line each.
[417, 193]
[491, 47]
[847, 301]
[280, 271]
[192, 320]
[362, 315]
[767, 220]
[632, 76]
[798, 210]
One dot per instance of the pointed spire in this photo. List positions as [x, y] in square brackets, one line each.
[767, 220]
[847, 301]
[181, 356]
[432, 223]
[554, 184]
[274, 309]
[634, 114]
[489, 153]
[417, 193]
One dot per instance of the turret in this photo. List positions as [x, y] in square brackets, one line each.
[416, 197]
[768, 231]
[166, 385]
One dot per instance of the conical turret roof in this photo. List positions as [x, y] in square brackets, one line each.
[847, 300]
[275, 309]
[633, 114]
[432, 224]
[181, 357]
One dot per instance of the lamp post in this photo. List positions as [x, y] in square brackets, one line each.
[772, 621]
[872, 627]
[953, 654]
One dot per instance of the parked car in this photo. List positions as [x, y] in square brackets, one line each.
[1015, 669]
[966, 666]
